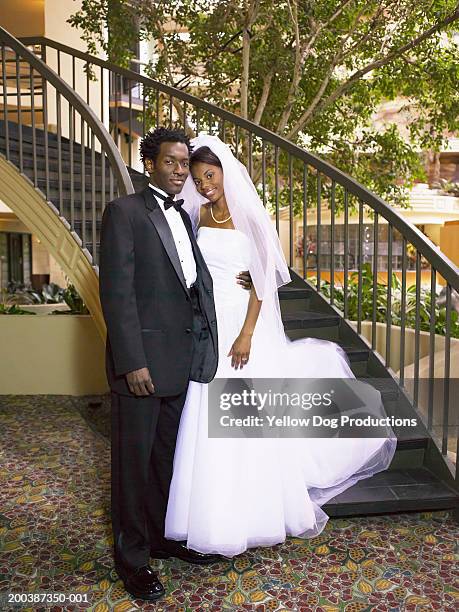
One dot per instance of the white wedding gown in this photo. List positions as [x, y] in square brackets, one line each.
[228, 495]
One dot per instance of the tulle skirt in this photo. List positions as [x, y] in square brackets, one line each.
[231, 494]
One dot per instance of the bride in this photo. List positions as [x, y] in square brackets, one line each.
[230, 494]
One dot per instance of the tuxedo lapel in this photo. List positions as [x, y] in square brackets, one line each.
[156, 216]
[199, 259]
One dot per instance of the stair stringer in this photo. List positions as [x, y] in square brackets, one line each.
[43, 220]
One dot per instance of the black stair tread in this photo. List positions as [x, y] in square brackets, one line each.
[53, 163]
[27, 135]
[53, 153]
[288, 292]
[27, 139]
[305, 319]
[392, 491]
[386, 386]
[395, 478]
[417, 441]
[396, 405]
[79, 222]
[53, 166]
[52, 147]
[400, 406]
[355, 353]
[66, 183]
[65, 209]
[412, 437]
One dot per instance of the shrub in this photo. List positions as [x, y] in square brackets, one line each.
[396, 302]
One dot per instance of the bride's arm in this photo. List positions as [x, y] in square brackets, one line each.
[240, 351]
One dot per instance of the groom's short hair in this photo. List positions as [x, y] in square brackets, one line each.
[151, 142]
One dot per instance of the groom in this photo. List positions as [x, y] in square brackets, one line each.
[157, 300]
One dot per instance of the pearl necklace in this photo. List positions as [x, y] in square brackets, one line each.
[216, 221]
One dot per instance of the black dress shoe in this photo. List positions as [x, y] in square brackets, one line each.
[140, 582]
[180, 551]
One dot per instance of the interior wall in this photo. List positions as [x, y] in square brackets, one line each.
[40, 257]
[23, 17]
[56, 14]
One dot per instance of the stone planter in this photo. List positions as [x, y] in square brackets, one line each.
[43, 309]
[424, 343]
[61, 354]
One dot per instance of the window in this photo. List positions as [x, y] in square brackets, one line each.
[325, 246]
[15, 258]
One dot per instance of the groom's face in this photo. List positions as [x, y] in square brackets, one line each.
[171, 167]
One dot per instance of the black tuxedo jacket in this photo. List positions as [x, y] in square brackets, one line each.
[145, 301]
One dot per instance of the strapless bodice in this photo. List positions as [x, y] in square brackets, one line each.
[226, 253]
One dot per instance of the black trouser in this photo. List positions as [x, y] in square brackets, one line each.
[144, 435]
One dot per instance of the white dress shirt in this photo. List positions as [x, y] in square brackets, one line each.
[181, 239]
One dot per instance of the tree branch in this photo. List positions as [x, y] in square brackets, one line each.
[250, 19]
[371, 30]
[225, 46]
[264, 97]
[175, 102]
[162, 40]
[316, 105]
[301, 53]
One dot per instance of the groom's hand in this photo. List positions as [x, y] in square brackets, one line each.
[244, 279]
[139, 382]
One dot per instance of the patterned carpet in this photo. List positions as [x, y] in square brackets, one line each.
[55, 537]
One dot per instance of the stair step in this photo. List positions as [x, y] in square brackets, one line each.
[66, 203]
[66, 184]
[401, 490]
[27, 136]
[53, 151]
[309, 320]
[53, 154]
[355, 353]
[79, 224]
[416, 442]
[386, 386]
[288, 292]
[397, 405]
[53, 167]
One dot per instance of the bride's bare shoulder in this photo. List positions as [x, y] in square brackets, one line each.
[204, 213]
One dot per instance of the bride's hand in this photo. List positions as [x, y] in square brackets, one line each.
[240, 351]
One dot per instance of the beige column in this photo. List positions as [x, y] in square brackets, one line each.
[449, 240]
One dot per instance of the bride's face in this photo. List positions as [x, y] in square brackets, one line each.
[208, 180]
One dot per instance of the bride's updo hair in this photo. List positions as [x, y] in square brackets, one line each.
[206, 156]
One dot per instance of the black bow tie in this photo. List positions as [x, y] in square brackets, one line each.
[168, 200]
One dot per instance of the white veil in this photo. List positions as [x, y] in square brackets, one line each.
[268, 267]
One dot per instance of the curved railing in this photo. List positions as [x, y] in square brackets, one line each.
[69, 153]
[312, 204]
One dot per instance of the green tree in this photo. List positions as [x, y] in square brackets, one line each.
[313, 71]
